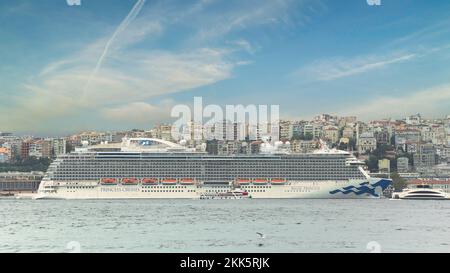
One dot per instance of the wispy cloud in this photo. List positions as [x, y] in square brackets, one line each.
[431, 102]
[121, 28]
[131, 75]
[425, 34]
[251, 14]
[245, 45]
[140, 113]
[336, 68]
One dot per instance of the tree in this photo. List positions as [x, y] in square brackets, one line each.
[69, 147]
[26, 165]
[398, 182]
[372, 163]
[308, 136]
[352, 144]
[392, 140]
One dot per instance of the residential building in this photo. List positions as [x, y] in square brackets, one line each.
[366, 143]
[59, 146]
[384, 165]
[425, 158]
[285, 130]
[331, 133]
[303, 146]
[5, 155]
[403, 165]
[348, 132]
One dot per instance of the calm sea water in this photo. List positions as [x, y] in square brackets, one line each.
[224, 226]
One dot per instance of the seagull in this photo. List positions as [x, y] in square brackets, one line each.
[262, 236]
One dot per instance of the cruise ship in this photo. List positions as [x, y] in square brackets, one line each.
[145, 168]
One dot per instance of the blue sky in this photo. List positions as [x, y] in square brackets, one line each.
[121, 64]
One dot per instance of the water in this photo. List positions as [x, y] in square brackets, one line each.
[224, 226]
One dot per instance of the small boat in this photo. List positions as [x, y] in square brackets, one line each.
[6, 194]
[130, 181]
[421, 192]
[233, 195]
[278, 181]
[260, 181]
[108, 181]
[243, 181]
[149, 181]
[169, 181]
[187, 181]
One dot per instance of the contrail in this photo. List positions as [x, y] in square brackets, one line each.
[125, 23]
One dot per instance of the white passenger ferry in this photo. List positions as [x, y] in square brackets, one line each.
[421, 192]
[153, 168]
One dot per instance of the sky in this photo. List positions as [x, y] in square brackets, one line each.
[123, 64]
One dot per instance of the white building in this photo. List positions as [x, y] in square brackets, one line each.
[403, 165]
[348, 132]
[366, 143]
[303, 146]
[59, 146]
[414, 119]
[331, 133]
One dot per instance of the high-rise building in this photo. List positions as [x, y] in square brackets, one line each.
[425, 158]
[296, 129]
[25, 149]
[285, 130]
[59, 146]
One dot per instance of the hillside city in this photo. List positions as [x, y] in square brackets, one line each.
[412, 150]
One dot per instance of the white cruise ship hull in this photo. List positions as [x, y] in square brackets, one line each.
[352, 189]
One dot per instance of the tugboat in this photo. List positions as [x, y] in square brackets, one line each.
[236, 194]
[421, 192]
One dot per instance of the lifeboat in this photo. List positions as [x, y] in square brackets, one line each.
[149, 181]
[260, 181]
[278, 181]
[243, 181]
[187, 181]
[169, 181]
[130, 181]
[108, 181]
